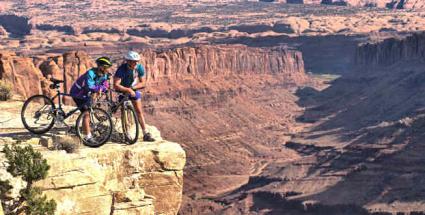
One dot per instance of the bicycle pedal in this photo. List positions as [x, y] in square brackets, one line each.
[60, 124]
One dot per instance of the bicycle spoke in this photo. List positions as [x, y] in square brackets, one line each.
[100, 127]
[130, 125]
[38, 114]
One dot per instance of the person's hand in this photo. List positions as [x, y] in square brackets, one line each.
[95, 96]
[132, 93]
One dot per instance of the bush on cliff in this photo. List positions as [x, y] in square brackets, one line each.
[26, 163]
[5, 91]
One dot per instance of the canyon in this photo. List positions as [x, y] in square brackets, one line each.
[188, 85]
[361, 150]
[279, 108]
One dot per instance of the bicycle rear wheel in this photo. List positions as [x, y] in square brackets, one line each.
[130, 124]
[100, 127]
[38, 114]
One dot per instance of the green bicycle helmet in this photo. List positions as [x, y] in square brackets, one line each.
[104, 61]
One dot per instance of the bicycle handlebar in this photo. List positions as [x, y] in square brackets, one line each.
[139, 88]
[56, 80]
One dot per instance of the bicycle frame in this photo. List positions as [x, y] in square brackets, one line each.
[60, 95]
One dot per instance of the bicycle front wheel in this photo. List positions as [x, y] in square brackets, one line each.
[96, 122]
[38, 114]
[130, 124]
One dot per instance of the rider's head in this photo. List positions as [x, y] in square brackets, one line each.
[132, 59]
[103, 64]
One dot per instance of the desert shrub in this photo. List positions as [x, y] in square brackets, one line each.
[5, 90]
[30, 165]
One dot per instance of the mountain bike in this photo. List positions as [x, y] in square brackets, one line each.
[39, 115]
[127, 115]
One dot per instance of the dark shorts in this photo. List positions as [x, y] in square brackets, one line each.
[82, 104]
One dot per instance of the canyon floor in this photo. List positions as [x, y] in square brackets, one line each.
[347, 140]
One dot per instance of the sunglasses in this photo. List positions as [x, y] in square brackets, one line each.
[132, 62]
[105, 66]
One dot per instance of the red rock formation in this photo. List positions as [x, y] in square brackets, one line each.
[176, 64]
[73, 64]
[67, 67]
[391, 51]
[222, 61]
[21, 72]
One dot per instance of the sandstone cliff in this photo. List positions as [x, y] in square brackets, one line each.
[172, 65]
[390, 51]
[221, 62]
[145, 178]
[29, 79]
[21, 73]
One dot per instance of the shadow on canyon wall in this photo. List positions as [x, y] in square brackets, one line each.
[378, 118]
[322, 54]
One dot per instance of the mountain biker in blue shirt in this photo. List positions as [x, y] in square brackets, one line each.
[127, 78]
[89, 84]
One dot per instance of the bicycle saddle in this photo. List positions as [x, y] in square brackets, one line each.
[56, 81]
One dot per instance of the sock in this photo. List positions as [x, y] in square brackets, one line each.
[88, 136]
[145, 132]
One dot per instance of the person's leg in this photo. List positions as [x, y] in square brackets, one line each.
[82, 105]
[86, 125]
[138, 107]
[137, 104]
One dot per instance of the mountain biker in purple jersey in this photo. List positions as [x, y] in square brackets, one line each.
[95, 80]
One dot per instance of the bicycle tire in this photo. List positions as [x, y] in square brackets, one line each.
[125, 110]
[105, 138]
[25, 120]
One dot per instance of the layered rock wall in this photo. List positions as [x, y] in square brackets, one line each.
[222, 61]
[161, 66]
[391, 51]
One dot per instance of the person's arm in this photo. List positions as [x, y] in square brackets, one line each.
[139, 84]
[90, 82]
[119, 87]
[90, 85]
[141, 72]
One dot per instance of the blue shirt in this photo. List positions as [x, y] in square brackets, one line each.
[89, 81]
[129, 77]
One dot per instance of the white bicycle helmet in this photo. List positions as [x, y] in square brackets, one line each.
[132, 55]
